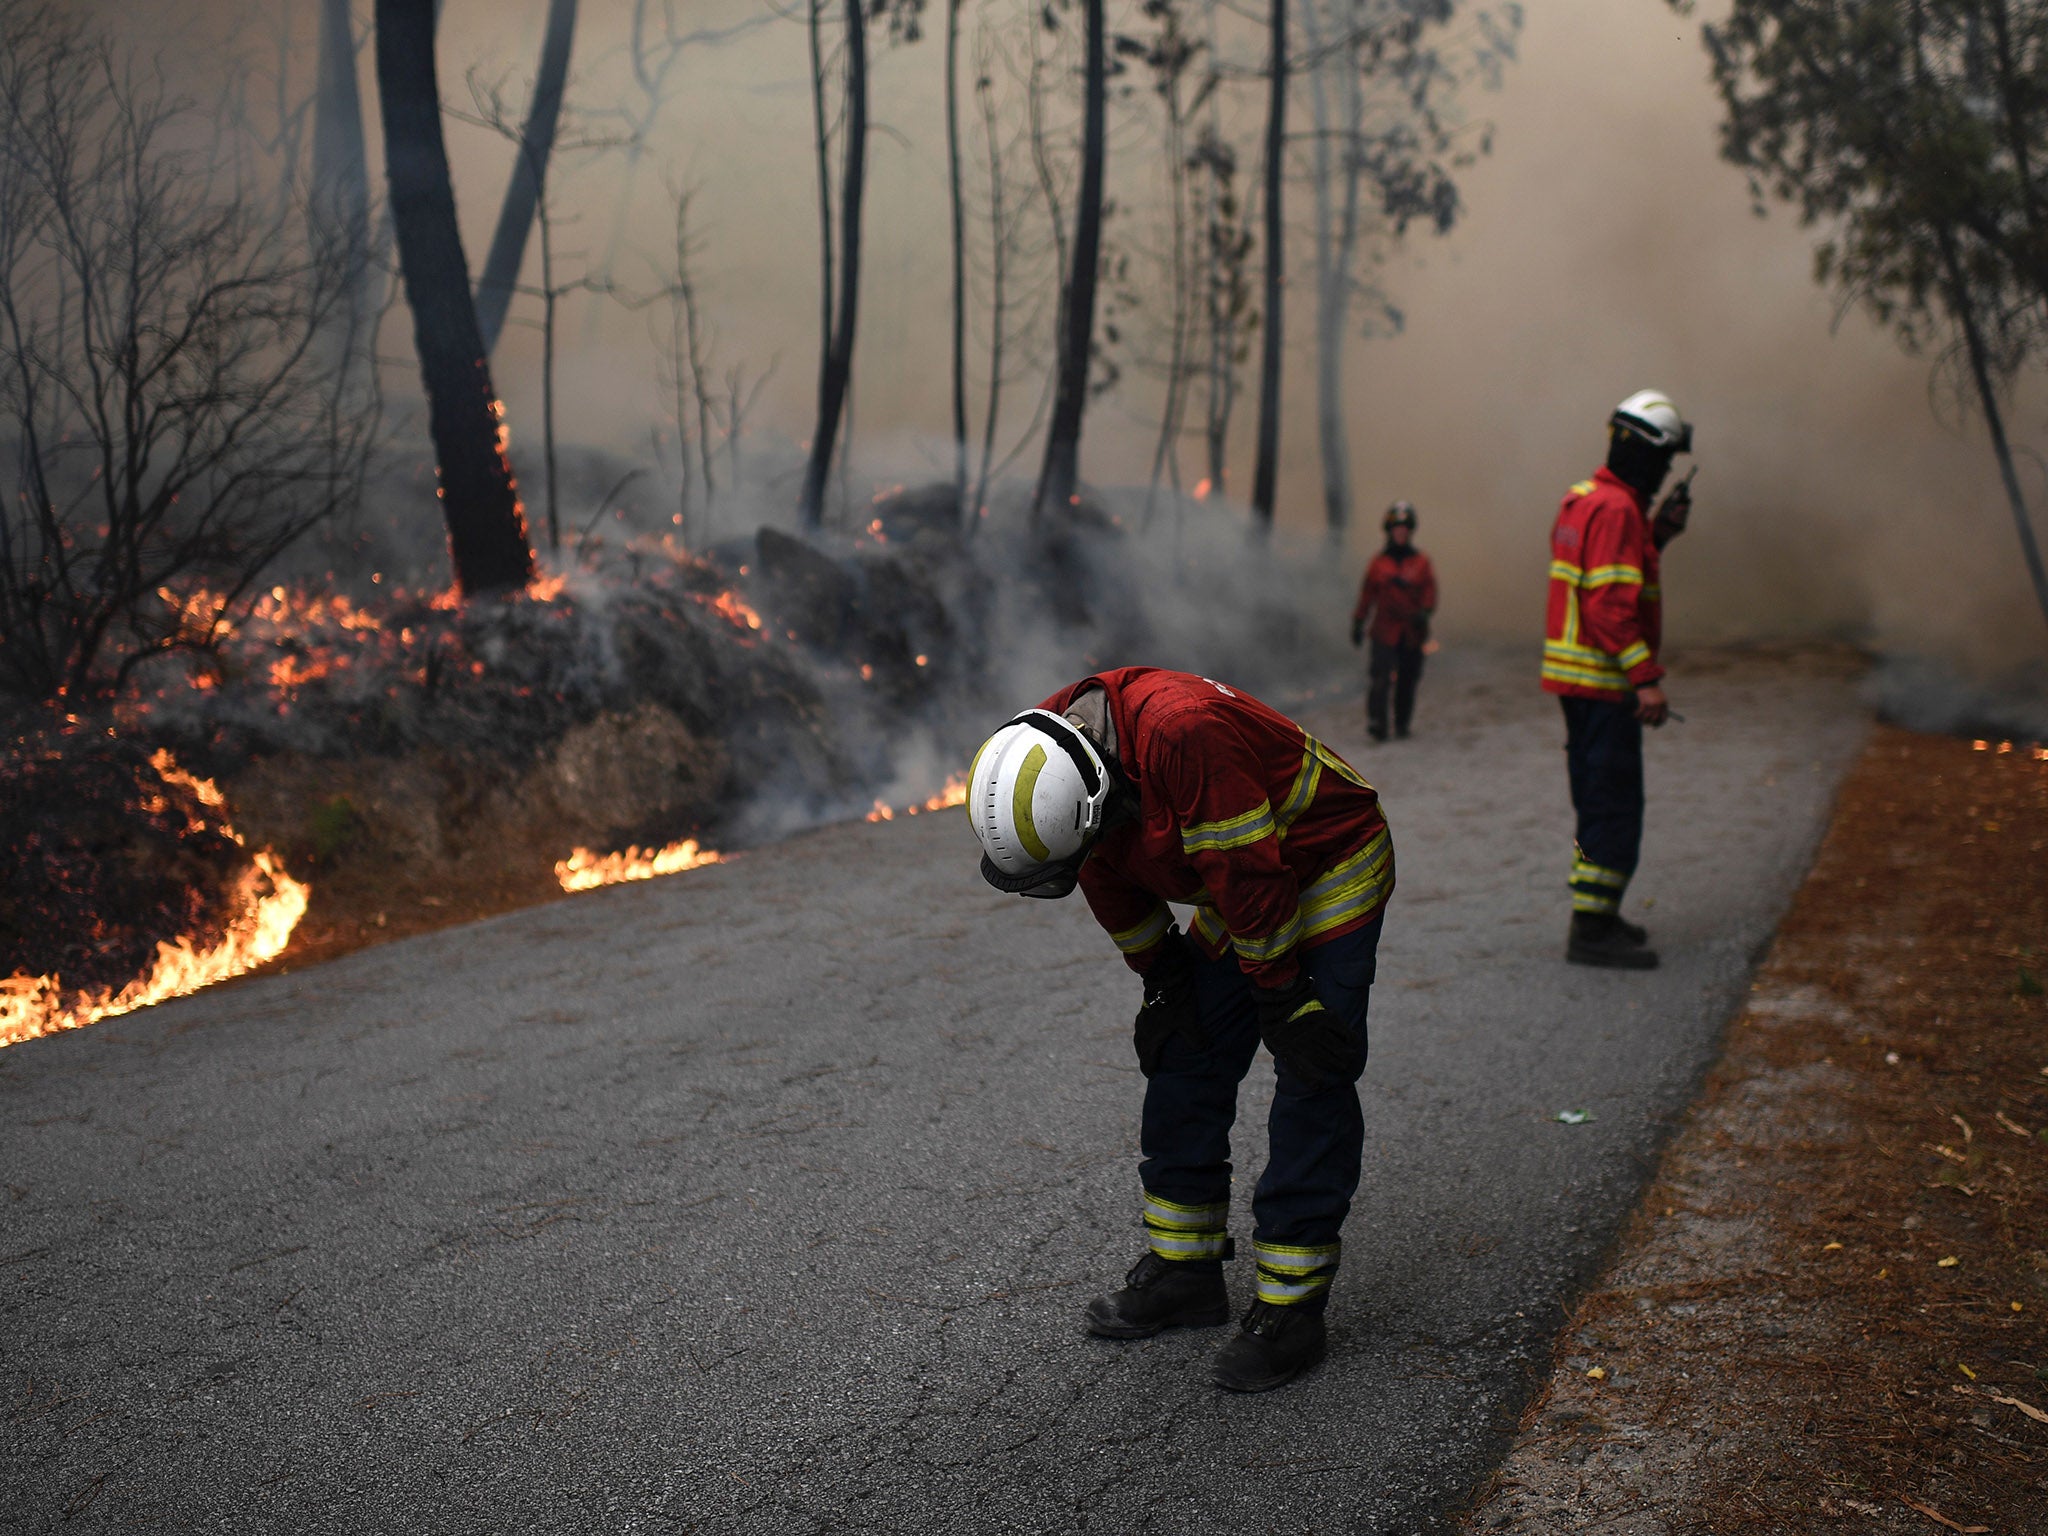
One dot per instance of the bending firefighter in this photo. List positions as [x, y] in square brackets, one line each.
[1398, 595]
[1600, 657]
[1145, 787]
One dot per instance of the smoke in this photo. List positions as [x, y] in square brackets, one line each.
[1605, 248]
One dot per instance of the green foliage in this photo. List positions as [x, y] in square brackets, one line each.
[1916, 132]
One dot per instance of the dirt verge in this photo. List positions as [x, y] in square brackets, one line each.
[1828, 1312]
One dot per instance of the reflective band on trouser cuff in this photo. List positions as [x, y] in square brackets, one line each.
[1595, 887]
[1177, 1231]
[1143, 935]
[1288, 1275]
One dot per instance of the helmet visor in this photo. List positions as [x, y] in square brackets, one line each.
[1048, 881]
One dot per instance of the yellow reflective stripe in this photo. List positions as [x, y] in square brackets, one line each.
[1020, 805]
[1582, 487]
[974, 784]
[1615, 683]
[1348, 888]
[1613, 576]
[1236, 832]
[1193, 1245]
[1336, 764]
[1303, 789]
[1566, 650]
[1209, 926]
[1286, 1259]
[1274, 945]
[1634, 656]
[1145, 934]
[1589, 901]
[1585, 869]
[1564, 570]
[1192, 1218]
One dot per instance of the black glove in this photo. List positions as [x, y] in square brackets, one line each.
[1358, 631]
[1672, 514]
[1169, 1006]
[1305, 1037]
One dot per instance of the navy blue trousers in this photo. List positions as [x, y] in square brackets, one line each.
[1394, 669]
[1314, 1139]
[1604, 751]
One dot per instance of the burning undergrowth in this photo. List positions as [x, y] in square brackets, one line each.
[418, 759]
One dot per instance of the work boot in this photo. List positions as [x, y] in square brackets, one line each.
[1635, 934]
[1601, 938]
[1162, 1293]
[1275, 1345]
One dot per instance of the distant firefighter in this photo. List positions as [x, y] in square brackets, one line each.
[1397, 597]
[1600, 657]
[1144, 787]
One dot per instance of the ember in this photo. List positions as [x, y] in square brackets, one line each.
[267, 903]
[586, 871]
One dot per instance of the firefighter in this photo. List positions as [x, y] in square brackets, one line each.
[1600, 658]
[1398, 595]
[1144, 787]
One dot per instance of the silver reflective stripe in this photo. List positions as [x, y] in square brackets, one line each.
[1285, 1260]
[1143, 935]
[1282, 1293]
[1172, 1245]
[1187, 1218]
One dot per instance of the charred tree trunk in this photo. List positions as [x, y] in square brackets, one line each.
[529, 169]
[1266, 471]
[835, 364]
[1337, 195]
[486, 527]
[959, 254]
[1062, 471]
[341, 174]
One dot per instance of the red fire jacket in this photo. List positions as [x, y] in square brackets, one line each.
[1606, 610]
[1272, 837]
[1403, 589]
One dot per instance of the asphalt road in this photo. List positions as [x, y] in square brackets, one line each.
[765, 1198]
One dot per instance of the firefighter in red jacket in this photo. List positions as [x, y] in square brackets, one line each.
[1600, 657]
[1145, 787]
[1398, 595]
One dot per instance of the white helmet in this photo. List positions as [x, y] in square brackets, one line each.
[1036, 795]
[1650, 415]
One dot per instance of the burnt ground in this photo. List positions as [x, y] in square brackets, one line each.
[1828, 1312]
[764, 1198]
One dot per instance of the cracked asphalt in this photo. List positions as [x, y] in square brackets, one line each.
[765, 1198]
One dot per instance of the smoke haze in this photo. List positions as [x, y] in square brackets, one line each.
[1605, 249]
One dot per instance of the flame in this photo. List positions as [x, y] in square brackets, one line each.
[731, 607]
[545, 589]
[268, 902]
[1202, 489]
[954, 793]
[586, 871]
